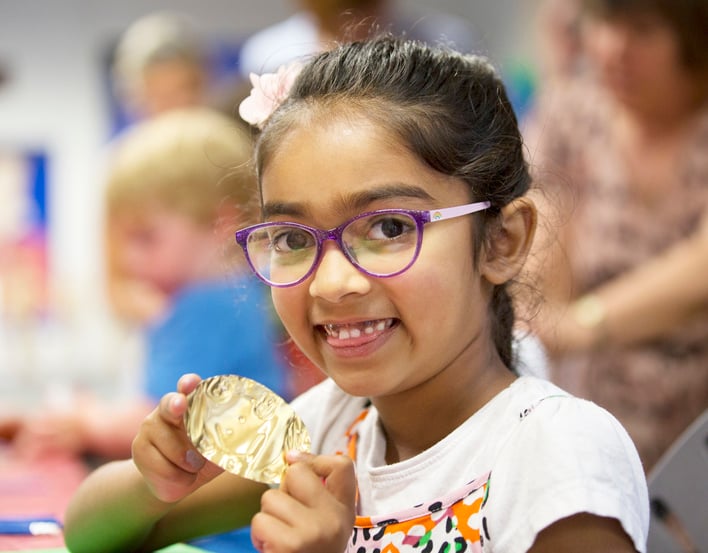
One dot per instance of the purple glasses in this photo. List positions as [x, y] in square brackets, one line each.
[381, 243]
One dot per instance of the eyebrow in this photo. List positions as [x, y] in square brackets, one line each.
[355, 202]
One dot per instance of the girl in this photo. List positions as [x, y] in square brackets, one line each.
[411, 156]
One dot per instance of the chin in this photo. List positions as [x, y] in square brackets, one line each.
[359, 385]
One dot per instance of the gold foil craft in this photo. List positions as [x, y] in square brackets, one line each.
[244, 427]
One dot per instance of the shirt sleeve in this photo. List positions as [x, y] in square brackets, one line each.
[567, 456]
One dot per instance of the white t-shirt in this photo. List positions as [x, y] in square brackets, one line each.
[531, 456]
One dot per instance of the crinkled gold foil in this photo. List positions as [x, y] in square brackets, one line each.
[244, 427]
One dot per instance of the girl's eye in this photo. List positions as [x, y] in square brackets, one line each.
[389, 227]
[292, 239]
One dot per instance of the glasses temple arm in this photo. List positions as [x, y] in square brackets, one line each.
[458, 211]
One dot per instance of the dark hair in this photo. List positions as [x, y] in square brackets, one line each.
[451, 110]
[687, 18]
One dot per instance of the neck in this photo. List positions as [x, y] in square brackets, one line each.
[420, 418]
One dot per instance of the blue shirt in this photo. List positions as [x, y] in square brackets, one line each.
[215, 328]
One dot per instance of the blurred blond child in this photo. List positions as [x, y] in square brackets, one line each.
[178, 184]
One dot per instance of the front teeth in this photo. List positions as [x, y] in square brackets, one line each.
[344, 332]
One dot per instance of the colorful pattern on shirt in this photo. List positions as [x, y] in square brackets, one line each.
[453, 523]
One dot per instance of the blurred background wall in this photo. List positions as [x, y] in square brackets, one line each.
[55, 108]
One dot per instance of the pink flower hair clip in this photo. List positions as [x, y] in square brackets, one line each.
[268, 92]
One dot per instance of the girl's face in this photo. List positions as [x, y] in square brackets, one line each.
[376, 336]
[637, 57]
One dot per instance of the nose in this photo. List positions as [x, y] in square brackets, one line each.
[335, 277]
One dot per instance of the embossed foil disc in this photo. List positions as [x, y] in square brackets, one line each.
[244, 427]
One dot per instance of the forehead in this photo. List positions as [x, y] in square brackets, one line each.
[345, 164]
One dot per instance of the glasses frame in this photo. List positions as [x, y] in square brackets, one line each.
[421, 218]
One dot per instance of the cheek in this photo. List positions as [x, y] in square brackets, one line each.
[429, 297]
[169, 254]
[442, 314]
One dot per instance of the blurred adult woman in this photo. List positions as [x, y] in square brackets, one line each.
[621, 160]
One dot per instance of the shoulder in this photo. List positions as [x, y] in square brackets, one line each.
[566, 456]
[567, 425]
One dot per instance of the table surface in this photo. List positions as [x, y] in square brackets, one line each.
[178, 548]
[43, 489]
[38, 488]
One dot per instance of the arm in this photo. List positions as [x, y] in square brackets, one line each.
[583, 533]
[116, 511]
[166, 493]
[642, 304]
[113, 510]
[653, 299]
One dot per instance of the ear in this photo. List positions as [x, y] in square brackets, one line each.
[509, 241]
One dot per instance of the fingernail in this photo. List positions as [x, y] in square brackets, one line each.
[194, 460]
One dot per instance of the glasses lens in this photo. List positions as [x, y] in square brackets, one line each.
[382, 244]
[282, 253]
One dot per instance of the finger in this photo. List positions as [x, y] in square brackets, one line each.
[336, 472]
[187, 383]
[164, 431]
[305, 459]
[167, 481]
[268, 532]
[283, 506]
[291, 524]
[180, 452]
[172, 408]
[170, 442]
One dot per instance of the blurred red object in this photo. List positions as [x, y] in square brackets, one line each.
[36, 489]
[303, 374]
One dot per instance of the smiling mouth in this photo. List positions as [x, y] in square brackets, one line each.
[357, 330]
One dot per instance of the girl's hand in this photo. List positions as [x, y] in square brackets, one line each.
[312, 511]
[163, 453]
